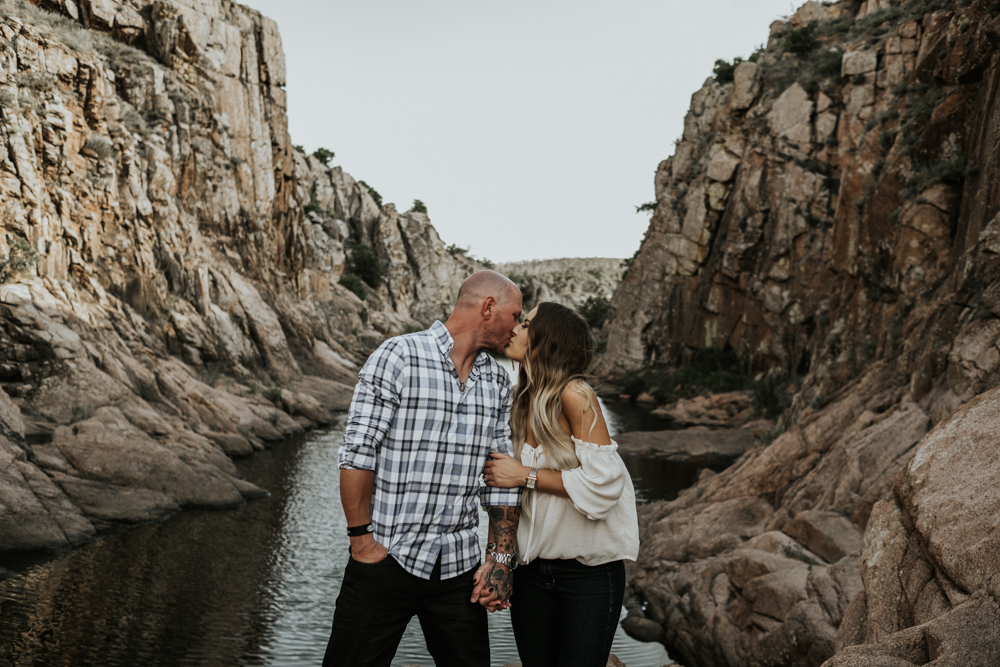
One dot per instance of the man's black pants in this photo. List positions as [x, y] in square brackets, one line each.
[377, 601]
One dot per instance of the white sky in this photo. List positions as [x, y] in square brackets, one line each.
[530, 129]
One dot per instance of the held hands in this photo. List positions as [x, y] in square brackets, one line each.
[504, 471]
[365, 549]
[493, 584]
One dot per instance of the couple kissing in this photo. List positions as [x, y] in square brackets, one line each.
[433, 412]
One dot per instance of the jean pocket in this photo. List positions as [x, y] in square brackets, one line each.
[355, 561]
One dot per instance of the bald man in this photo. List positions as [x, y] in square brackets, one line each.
[428, 410]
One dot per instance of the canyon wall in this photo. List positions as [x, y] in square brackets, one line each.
[171, 266]
[831, 213]
[569, 281]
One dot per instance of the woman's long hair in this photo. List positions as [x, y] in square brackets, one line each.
[560, 350]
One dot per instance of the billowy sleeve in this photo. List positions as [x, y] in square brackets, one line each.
[595, 487]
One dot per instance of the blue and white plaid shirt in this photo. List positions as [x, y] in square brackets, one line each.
[427, 441]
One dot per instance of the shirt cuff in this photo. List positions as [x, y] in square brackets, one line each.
[492, 496]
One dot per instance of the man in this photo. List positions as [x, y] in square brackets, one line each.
[428, 410]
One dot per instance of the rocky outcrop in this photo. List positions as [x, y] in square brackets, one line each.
[697, 445]
[930, 562]
[568, 281]
[832, 213]
[171, 265]
[758, 564]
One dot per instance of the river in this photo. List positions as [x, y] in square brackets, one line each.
[251, 586]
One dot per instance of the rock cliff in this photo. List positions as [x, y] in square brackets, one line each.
[569, 281]
[171, 265]
[831, 212]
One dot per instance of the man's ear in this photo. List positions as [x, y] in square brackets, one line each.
[488, 307]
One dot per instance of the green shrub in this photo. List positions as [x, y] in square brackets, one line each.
[725, 71]
[81, 413]
[313, 205]
[273, 394]
[649, 206]
[374, 195]
[455, 250]
[823, 65]
[323, 155]
[487, 263]
[365, 263]
[418, 206]
[595, 311]
[21, 257]
[300, 148]
[801, 41]
[355, 284]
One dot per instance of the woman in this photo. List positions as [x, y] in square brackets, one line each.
[578, 518]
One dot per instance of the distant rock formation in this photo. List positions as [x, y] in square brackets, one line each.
[832, 212]
[171, 265]
[569, 281]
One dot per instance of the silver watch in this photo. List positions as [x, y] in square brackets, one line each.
[531, 479]
[510, 560]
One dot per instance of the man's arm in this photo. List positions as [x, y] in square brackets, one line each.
[356, 496]
[373, 407]
[497, 582]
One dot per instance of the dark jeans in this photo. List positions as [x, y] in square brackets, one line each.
[376, 602]
[565, 613]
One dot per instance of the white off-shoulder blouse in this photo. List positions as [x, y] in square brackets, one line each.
[596, 524]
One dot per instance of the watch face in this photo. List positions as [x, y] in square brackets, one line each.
[530, 483]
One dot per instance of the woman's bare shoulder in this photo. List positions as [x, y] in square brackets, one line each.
[578, 396]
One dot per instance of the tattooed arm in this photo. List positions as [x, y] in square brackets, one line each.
[494, 582]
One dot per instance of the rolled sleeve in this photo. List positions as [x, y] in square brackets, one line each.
[491, 496]
[595, 487]
[375, 401]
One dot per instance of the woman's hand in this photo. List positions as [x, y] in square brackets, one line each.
[491, 603]
[504, 471]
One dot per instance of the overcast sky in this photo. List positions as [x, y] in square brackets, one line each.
[530, 129]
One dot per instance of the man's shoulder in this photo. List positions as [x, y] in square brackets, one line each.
[493, 369]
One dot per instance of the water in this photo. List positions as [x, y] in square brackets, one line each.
[253, 586]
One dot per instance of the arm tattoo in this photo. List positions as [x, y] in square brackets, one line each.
[503, 521]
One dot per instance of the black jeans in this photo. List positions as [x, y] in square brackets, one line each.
[565, 613]
[376, 602]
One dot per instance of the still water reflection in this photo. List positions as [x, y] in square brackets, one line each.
[254, 586]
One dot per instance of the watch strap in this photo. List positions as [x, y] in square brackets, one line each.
[358, 531]
[508, 559]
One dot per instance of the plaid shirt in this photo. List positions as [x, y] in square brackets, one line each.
[427, 441]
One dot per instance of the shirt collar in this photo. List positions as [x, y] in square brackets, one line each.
[446, 343]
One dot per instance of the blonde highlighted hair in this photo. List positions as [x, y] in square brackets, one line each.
[559, 352]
